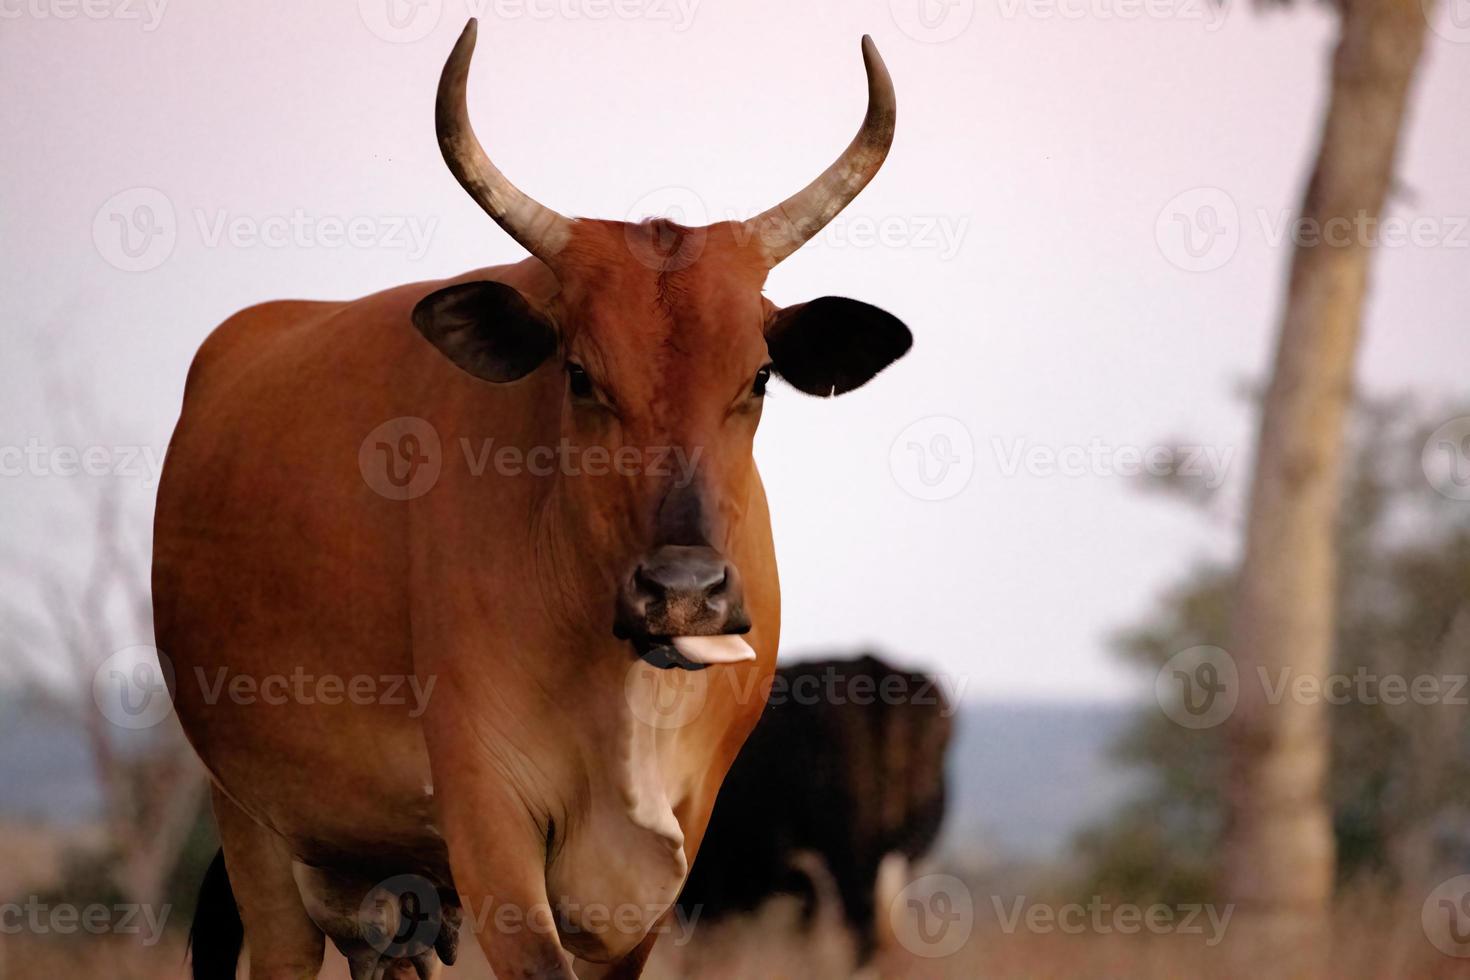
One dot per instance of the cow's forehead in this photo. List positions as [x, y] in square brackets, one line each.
[659, 296]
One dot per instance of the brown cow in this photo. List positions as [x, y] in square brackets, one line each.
[530, 788]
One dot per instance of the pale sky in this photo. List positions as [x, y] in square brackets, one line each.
[1024, 227]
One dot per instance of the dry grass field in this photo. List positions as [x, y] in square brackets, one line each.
[1374, 941]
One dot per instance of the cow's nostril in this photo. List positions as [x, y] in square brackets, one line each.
[646, 585]
[724, 583]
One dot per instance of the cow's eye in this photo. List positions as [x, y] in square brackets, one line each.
[581, 385]
[762, 378]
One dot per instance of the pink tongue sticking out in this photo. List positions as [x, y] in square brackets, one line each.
[727, 649]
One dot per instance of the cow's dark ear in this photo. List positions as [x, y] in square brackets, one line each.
[487, 328]
[832, 345]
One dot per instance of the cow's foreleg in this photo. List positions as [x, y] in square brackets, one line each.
[630, 967]
[506, 905]
[499, 867]
[513, 921]
[497, 843]
[283, 943]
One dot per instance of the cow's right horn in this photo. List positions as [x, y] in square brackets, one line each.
[787, 226]
[539, 229]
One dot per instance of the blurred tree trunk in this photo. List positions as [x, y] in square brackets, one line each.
[1278, 844]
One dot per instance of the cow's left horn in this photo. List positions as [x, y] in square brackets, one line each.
[787, 226]
[539, 229]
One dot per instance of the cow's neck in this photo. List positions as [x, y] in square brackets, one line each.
[623, 846]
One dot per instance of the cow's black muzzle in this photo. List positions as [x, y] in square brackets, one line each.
[679, 591]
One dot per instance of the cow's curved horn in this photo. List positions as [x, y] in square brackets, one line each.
[787, 226]
[539, 229]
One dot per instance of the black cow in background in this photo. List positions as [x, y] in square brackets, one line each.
[846, 766]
